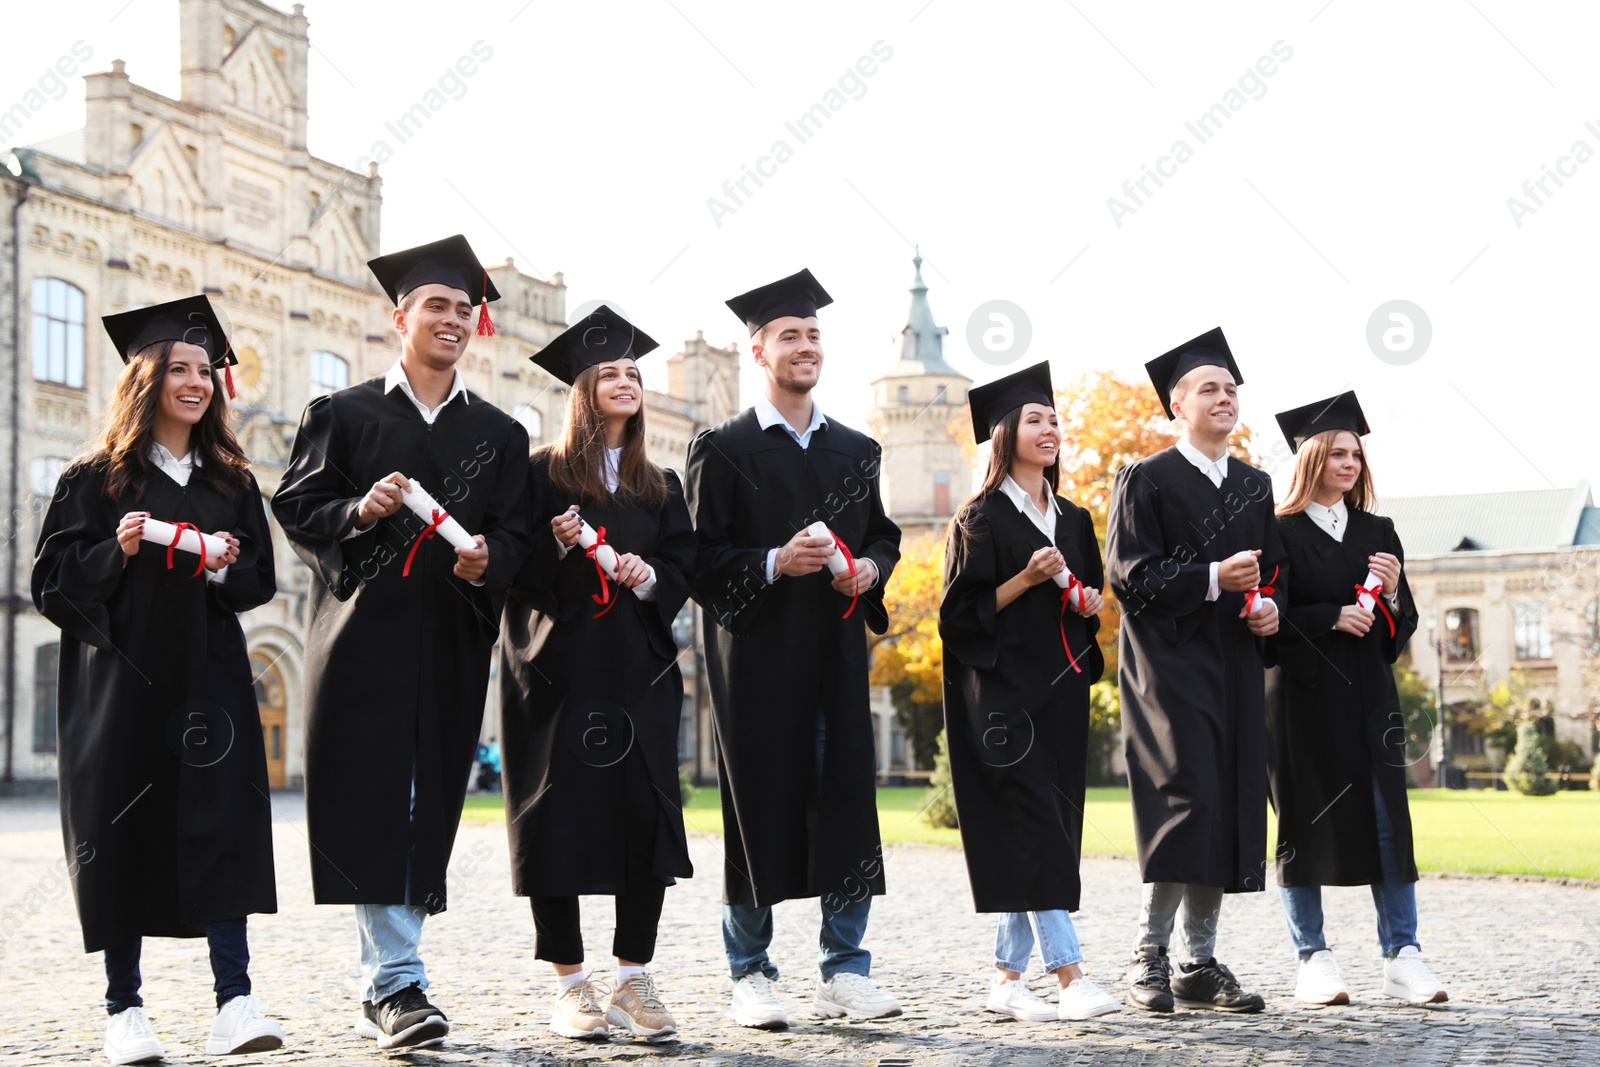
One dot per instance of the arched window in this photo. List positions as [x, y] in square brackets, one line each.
[1461, 635]
[328, 373]
[46, 660]
[532, 420]
[57, 332]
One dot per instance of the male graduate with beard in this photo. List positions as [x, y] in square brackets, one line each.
[1193, 555]
[787, 661]
[401, 623]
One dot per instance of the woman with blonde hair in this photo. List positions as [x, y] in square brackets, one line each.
[1336, 737]
[162, 768]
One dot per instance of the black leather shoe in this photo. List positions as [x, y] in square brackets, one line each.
[1150, 980]
[404, 1020]
[1209, 984]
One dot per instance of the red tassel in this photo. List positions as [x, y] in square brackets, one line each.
[485, 323]
[227, 372]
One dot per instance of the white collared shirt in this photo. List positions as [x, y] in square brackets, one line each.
[768, 415]
[1216, 470]
[1333, 520]
[179, 469]
[397, 378]
[1044, 520]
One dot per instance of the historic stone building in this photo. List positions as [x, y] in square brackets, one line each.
[215, 192]
[925, 476]
[1506, 582]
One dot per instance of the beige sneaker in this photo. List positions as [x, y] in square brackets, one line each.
[636, 1006]
[578, 1013]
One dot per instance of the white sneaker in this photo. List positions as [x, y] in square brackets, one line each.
[1319, 981]
[242, 1025]
[1015, 999]
[1084, 1000]
[129, 1038]
[756, 1004]
[1406, 978]
[853, 995]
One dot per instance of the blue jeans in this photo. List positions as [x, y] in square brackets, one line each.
[230, 966]
[1394, 898]
[1014, 940]
[390, 936]
[747, 930]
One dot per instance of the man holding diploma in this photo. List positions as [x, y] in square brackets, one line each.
[402, 623]
[1191, 548]
[787, 668]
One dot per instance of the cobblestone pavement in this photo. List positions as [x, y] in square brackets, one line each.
[1519, 959]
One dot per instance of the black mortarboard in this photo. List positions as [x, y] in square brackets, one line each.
[448, 262]
[799, 295]
[599, 337]
[1210, 349]
[192, 320]
[1342, 412]
[991, 403]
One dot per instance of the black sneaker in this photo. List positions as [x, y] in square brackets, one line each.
[1150, 980]
[1209, 984]
[404, 1020]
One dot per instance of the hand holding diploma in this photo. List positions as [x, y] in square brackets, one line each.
[850, 578]
[806, 553]
[1383, 579]
[472, 553]
[1259, 611]
[216, 550]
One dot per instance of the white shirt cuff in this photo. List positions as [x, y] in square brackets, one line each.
[1214, 590]
[646, 590]
[772, 566]
[562, 548]
[217, 575]
[358, 530]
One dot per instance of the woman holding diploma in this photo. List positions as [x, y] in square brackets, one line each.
[163, 775]
[1020, 656]
[589, 683]
[1336, 743]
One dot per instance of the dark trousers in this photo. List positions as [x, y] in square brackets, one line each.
[560, 938]
[230, 966]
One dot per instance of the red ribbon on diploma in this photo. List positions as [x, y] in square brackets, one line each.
[605, 596]
[427, 534]
[1073, 584]
[1264, 589]
[848, 558]
[1376, 593]
[177, 534]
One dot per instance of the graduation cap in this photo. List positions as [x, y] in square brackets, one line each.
[192, 320]
[991, 403]
[1342, 412]
[799, 295]
[1210, 349]
[599, 337]
[448, 262]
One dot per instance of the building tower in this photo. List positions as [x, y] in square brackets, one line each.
[925, 476]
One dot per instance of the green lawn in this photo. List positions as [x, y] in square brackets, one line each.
[1470, 832]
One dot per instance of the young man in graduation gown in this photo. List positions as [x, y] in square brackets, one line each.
[1193, 555]
[401, 623]
[787, 659]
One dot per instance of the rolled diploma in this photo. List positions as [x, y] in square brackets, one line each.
[606, 557]
[1062, 579]
[1364, 601]
[836, 561]
[162, 533]
[1258, 604]
[422, 503]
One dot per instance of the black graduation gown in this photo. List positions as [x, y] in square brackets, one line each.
[1189, 671]
[780, 656]
[397, 667]
[1333, 715]
[1016, 713]
[163, 775]
[590, 706]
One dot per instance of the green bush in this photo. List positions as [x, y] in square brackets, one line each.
[1526, 769]
[685, 785]
[939, 807]
[1105, 732]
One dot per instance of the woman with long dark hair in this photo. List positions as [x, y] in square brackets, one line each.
[590, 687]
[1336, 736]
[162, 770]
[1019, 657]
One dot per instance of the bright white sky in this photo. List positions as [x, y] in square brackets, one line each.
[1376, 165]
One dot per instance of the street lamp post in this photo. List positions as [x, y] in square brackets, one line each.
[1442, 767]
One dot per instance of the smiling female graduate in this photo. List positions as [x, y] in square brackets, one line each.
[590, 692]
[1020, 656]
[163, 774]
[1336, 743]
